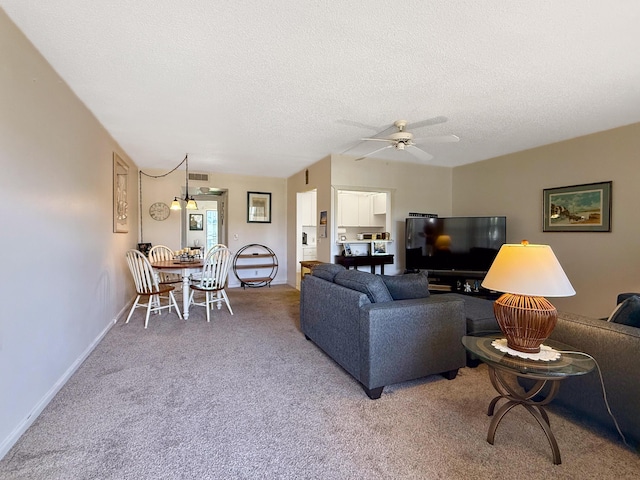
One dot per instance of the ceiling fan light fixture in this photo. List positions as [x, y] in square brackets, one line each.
[403, 140]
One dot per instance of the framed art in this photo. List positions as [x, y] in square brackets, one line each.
[378, 248]
[144, 248]
[258, 207]
[322, 228]
[577, 208]
[196, 221]
[120, 195]
[347, 250]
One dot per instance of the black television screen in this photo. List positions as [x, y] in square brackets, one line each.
[453, 243]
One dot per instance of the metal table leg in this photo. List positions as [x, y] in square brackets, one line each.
[516, 397]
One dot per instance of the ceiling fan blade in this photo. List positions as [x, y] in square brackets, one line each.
[438, 139]
[352, 147]
[424, 123]
[418, 153]
[357, 124]
[373, 139]
[371, 153]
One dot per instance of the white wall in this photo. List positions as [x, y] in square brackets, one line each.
[65, 277]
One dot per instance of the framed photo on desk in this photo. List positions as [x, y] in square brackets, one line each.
[378, 248]
[347, 250]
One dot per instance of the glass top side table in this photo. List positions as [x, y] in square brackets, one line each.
[503, 364]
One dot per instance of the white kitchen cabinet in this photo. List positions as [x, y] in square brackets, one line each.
[380, 204]
[355, 209]
[308, 202]
[348, 209]
[309, 253]
[365, 216]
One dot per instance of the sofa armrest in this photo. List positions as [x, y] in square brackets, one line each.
[616, 348]
[407, 339]
[329, 317]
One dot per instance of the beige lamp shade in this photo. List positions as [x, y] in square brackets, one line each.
[527, 269]
[526, 274]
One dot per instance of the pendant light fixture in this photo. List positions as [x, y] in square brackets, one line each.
[190, 202]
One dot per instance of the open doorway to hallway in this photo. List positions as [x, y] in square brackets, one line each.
[306, 229]
[213, 227]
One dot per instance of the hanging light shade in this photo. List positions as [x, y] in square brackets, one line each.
[190, 202]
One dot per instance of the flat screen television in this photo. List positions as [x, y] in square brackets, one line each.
[453, 243]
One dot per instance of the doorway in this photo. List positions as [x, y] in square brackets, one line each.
[212, 207]
[306, 229]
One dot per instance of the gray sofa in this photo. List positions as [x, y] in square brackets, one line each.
[480, 319]
[616, 348]
[382, 330]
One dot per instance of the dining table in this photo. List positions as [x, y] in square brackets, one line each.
[185, 268]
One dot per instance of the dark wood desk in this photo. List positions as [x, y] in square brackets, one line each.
[364, 260]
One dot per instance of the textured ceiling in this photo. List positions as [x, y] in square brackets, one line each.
[267, 88]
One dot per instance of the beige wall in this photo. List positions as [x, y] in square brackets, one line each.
[599, 265]
[240, 233]
[319, 178]
[414, 188]
[65, 276]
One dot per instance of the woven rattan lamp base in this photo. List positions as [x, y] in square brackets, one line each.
[526, 321]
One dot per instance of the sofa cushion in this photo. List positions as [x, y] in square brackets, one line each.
[408, 286]
[364, 282]
[628, 312]
[327, 271]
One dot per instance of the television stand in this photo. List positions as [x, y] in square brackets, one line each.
[466, 282]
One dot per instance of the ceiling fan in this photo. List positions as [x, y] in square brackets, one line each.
[401, 139]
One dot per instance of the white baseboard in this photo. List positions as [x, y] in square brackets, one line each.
[22, 427]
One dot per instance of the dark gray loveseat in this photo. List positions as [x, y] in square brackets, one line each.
[616, 347]
[377, 330]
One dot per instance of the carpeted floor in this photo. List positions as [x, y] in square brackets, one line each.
[246, 396]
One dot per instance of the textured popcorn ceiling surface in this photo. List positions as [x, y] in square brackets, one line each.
[268, 88]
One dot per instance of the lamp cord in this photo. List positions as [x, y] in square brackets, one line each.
[604, 393]
[169, 172]
[140, 173]
[140, 204]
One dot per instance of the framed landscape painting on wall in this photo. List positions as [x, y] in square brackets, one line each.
[258, 207]
[578, 208]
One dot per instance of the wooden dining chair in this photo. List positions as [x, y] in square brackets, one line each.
[213, 280]
[147, 285]
[160, 253]
[195, 277]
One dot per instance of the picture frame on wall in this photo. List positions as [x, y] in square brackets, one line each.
[196, 221]
[258, 207]
[578, 208]
[120, 195]
[322, 227]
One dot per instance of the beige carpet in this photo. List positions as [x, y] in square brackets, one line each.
[246, 396]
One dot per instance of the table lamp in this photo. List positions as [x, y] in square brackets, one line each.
[526, 274]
